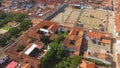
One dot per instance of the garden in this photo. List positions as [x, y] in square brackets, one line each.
[13, 32]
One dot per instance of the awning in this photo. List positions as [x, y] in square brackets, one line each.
[30, 49]
[44, 30]
[27, 52]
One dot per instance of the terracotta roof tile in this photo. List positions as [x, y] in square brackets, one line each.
[104, 37]
[27, 66]
[106, 41]
[76, 35]
[10, 23]
[87, 64]
[101, 56]
[95, 35]
[117, 15]
[53, 26]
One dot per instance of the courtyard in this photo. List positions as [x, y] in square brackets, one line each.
[68, 17]
[90, 18]
[94, 19]
[98, 48]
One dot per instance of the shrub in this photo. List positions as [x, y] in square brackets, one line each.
[20, 48]
[45, 39]
[97, 62]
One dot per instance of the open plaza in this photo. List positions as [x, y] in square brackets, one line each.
[96, 19]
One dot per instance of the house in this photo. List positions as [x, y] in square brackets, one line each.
[47, 27]
[7, 3]
[73, 41]
[86, 64]
[99, 37]
[33, 50]
[12, 64]
[13, 24]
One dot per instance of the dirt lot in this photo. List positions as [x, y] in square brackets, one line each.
[92, 18]
[2, 31]
[73, 17]
[68, 17]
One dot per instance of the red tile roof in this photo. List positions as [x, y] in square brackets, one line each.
[6, 3]
[117, 15]
[106, 41]
[102, 36]
[75, 34]
[91, 65]
[39, 47]
[13, 64]
[87, 64]
[97, 35]
[11, 23]
[53, 26]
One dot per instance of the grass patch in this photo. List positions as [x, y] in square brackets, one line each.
[5, 27]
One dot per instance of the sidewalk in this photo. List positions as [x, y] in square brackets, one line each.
[111, 23]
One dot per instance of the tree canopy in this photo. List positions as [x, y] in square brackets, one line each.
[3, 40]
[56, 56]
[69, 62]
[18, 17]
[20, 48]
[14, 31]
[25, 24]
[53, 56]
[3, 15]
[45, 39]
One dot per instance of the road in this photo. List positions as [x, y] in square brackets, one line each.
[115, 46]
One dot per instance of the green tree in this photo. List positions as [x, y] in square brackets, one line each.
[20, 48]
[69, 62]
[53, 56]
[45, 39]
[60, 36]
[3, 16]
[25, 24]
[18, 17]
[14, 31]
[4, 40]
